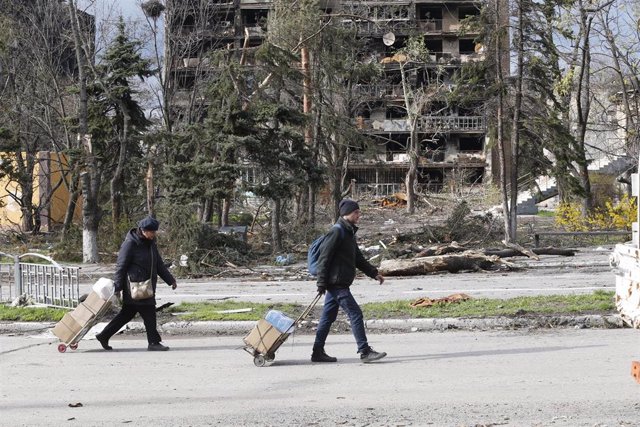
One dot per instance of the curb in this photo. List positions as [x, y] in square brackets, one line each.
[611, 321]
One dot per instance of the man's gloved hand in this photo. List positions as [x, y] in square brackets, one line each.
[322, 289]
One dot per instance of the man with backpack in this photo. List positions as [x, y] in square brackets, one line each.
[338, 258]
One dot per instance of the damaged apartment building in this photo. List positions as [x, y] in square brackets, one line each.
[452, 137]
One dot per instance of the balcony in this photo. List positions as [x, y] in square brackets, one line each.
[377, 91]
[191, 63]
[254, 31]
[452, 124]
[430, 25]
[431, 124]
[381, 27]
[219, 29]
[185, 97]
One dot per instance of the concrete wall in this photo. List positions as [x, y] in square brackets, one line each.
[48, 179]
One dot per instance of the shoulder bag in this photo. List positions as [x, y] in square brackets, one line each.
[144, 289]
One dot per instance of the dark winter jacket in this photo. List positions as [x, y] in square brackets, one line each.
[134, 263]
[340, 256]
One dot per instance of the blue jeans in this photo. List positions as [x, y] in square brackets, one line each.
[333, 300]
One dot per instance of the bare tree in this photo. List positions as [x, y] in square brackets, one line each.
[617, 26]
[41, 52]
[90, 176]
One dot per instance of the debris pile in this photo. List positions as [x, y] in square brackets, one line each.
[429, 302]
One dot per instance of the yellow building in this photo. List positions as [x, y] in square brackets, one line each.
[50, 181]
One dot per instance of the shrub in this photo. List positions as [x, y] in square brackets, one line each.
[612, 216]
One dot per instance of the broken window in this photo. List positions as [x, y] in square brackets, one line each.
[466, 46]
[395, 113]
[473, 175]
[254, 18]
[471, 143]
[467, 11]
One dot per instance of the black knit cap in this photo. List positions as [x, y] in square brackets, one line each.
[149, 223]
[347, 206]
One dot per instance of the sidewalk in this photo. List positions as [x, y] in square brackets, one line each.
[612, 321]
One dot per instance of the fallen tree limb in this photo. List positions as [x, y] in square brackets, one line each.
[505, 253]
[442, 249]
[525, 251]
[466, 261]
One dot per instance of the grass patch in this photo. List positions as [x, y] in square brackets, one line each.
[551, 214]
[599, 302]
[210, 310]
[30, 314]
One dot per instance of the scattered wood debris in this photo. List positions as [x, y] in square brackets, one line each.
[429, 302]
[393, 201]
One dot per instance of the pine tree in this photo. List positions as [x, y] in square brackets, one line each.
[117, 119]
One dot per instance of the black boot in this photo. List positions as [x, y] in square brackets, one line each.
[156, 346]
[104, 342]
[321, 356]
[370, 355]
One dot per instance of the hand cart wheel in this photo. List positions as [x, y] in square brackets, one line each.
[73, 346]
[259, 361]
[269, 357]
[62, 348]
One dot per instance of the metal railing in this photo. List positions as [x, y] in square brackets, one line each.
[452, 123]
[402, 26]
[50, 284]
[387, 189]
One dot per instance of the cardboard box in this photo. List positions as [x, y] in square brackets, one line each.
[263, 337]
[67, 328]
[94, 302]
[82, 314]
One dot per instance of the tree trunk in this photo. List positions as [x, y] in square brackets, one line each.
[583, 107]
[224, 217]
[151, 208]
[307, 108]
[276, 236]
[516, 127]
[90, 177]
[412, 144]
[468, 261]
[500, 122]
[74, 193]
[117, 181]
[412, 172]
[25, 185]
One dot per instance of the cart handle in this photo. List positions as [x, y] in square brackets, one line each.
[307, 310]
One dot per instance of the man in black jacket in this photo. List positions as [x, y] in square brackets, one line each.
[138, 260]
[339, 256]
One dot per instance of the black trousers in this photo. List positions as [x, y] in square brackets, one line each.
[128, 312]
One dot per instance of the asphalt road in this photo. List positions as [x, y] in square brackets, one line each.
[562, 377]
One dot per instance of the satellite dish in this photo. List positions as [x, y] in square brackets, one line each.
[388, 39]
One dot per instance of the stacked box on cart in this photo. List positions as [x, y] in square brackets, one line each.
[73, 322]
[94, 302]
[67, 328]
[263, 336]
